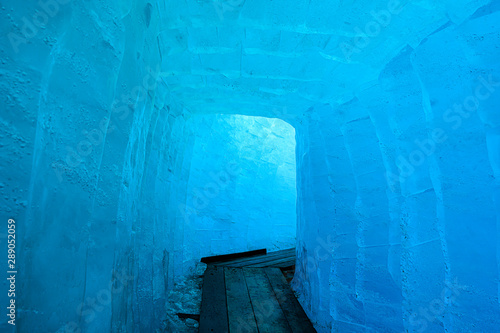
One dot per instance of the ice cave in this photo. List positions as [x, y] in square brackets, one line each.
[139, 136]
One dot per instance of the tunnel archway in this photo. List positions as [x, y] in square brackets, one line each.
[241, 190]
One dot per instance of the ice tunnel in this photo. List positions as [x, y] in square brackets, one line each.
[138, 136]
[241, 191]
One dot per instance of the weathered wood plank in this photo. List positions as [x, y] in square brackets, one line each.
[269, 256]
[270, 318]
[233, 256]
[295, 315]
[239, 308]
[283, 262]
[263, 259]
[213, 315]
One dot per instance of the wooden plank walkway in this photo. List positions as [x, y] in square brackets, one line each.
[251, 295]
[281, 259]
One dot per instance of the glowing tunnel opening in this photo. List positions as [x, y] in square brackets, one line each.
[241, 192]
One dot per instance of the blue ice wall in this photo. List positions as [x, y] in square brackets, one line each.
[395, 108]
[241, 191]
[409, 168]
[82, 124]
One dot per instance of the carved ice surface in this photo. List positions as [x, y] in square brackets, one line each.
[241, 191]
[115, 113]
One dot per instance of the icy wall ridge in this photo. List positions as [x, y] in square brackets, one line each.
[474, 99]
[415, 167]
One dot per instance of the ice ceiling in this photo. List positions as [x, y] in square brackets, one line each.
[279, 57]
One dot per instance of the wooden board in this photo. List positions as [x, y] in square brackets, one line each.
[262, 259]
[269, 256]
[283, 262]
[213, 316]
[295, 315]
[253, 297]
[239, 307]
[269, 316]
[233, 256]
